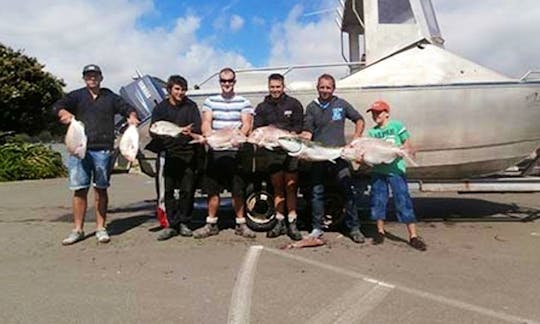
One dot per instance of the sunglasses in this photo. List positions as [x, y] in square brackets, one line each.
[227, 80]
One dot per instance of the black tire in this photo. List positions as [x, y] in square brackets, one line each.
[260, 213]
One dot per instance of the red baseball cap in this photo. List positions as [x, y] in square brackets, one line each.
[379, 105]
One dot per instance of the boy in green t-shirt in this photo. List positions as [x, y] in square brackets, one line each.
[391, 175]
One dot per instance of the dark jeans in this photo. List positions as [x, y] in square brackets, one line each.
[180, 179]
[321, 173]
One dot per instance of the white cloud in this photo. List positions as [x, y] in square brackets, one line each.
[236, 23]
[300, 43]
[67, 34]
[497, 34]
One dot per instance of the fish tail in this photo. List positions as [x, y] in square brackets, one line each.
[405, 154]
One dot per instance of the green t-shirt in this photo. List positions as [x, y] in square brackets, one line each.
[396, 133]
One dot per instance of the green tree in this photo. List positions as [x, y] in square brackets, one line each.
[27, 94]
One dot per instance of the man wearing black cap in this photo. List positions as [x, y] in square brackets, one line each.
[96, 108]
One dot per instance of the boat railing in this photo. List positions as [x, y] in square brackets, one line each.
[531, 75]
[287, 68]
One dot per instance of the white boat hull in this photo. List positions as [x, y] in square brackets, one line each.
[460, 130]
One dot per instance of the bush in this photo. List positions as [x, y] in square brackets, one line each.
[25, 161]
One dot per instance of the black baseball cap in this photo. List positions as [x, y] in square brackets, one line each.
[91, 68]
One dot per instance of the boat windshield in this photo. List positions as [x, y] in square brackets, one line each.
[431, 19]
[395, 12]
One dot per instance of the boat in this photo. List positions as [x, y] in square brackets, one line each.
[466, 120]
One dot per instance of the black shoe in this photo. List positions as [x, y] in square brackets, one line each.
[279, 229]
[378, 238]
[356, 236]
[166, 234]
[293, 231]
[185, 231]
[418, 244]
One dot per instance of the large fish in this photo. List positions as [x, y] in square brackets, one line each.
[221, 139]
[165, 128]
[267, 136]
[373, 151]
[308, 150]
[129, 143]
[76, 139]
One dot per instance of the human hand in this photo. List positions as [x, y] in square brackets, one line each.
[65, 116]
[133, 120]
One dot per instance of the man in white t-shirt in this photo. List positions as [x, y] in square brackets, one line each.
[226, 110]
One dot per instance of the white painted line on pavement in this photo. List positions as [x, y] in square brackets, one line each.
[352, 306]
[240, 306]
[412, 291]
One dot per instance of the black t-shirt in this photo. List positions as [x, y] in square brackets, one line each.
[96, 114]
[286, 113]
[182, 114]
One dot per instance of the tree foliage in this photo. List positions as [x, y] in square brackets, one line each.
[26, 94]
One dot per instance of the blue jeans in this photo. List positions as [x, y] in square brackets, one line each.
[321, 173]
[400, 192]
[95, 165]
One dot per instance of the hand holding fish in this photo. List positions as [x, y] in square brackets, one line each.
[133, 120]
[65, 116]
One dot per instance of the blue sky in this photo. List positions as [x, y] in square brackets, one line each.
[197, 38]
[251, 39]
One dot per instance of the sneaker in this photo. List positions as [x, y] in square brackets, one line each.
[185, 231]
[243, 230]
[279, 229]
[378, 238]
[73, 237]
[102, 236]
[206, 231]
[356, 236]
[418, 244]
[316, 233]
[293, 231]
[166, 234]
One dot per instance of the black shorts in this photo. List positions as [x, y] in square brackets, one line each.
[222, 172]
[276, 161]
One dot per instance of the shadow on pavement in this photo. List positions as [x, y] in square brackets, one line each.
[471, 210]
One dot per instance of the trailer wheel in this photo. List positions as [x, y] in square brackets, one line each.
[260, 213]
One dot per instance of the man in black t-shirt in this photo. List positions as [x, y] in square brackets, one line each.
[181, 158]
[96, 108]
[284, 112]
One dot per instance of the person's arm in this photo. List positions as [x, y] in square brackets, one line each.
[247, 122]
[126, 110]
[309, 123]
[247, 117]
[206, 123]
[297, 116]
[64, 108]
[259, 119]
[195, 120]
[358, 128]
[355, 116]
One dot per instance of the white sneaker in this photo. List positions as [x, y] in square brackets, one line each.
[102, 236]
[73, 237]
[316, 233]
